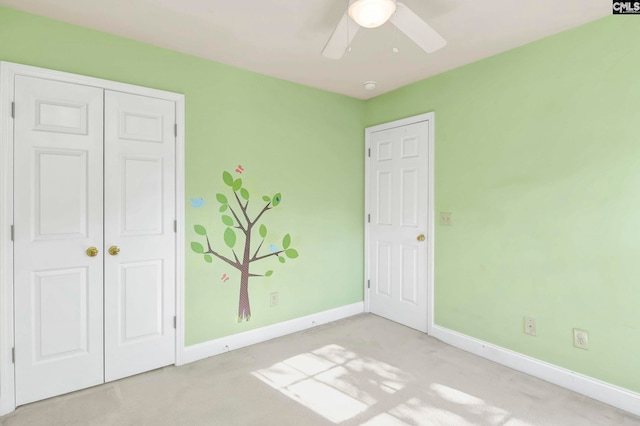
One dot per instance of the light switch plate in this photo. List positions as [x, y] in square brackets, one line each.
[446, 218]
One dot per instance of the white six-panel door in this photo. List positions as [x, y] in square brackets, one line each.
[93, 169]
[140, 207]
[58, 215]
[398, 204]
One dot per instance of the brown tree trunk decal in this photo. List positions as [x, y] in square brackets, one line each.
[240, 222]
[244, 308]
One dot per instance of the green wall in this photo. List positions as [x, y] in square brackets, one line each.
[304, 143]
[538, 158]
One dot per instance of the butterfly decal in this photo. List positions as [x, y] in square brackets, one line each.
[197, 202]
[224, 278]
[239, 169]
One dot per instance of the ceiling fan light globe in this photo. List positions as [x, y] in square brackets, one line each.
[372, 13]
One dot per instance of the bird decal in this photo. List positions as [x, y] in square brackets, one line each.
[273, 248]
[197, 202]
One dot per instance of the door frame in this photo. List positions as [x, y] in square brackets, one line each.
[8, 71]
[430, 118]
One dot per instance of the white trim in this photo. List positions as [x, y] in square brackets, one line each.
[367, 225]
[616, 396]
[430, 117]
[251, 337]
[7, 397]
[180, 231]
[18, 69]
[8, 71]
[431, 228]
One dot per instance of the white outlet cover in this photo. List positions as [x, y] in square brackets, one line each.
[274, 299]
[530, 326]
[581, 338]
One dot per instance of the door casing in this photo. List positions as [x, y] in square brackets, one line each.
[430, 117]
[8, 71]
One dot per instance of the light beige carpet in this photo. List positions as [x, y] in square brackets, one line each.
[363, 370]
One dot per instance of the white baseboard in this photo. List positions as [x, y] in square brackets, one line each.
[593, 388]
[236, 341]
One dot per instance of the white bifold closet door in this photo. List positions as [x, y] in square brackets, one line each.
[94, 170]
[58, 215]
[139, 211]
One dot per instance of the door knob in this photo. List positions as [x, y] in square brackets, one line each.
[114, 250]
[421, 237]
[92, 252]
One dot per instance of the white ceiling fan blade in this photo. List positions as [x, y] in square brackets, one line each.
[416, 29]
[341, 38]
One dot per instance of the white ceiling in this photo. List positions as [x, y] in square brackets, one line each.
[284, 38]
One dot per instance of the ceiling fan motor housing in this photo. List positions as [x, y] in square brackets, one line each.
[372, 13]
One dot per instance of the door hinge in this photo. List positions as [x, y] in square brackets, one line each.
[13, 355]
[369, 152]
[368, 283]
[175, 226]
[175, 130]
[13, 233]
[175, 322]
[369, 218]
[13, 110]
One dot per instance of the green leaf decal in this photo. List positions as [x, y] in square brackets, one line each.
[237, 184]
[244, 193]
[227, 178]
[263, 231]
[224, 207]
[286, 241]
[229, 237]
[227, 220]
[200, 230]
[291, 253]
[266, 199]
[208, 258]
[222, 199]
[197, 247]
[276, 199]
[268, 273]
[281, 259]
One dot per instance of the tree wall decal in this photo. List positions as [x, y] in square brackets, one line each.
[240, 222]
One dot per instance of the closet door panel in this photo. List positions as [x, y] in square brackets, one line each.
[58, 215]
[140, 214]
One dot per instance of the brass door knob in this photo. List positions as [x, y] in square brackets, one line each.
[421, 237]
[114, 250]
[92, 252]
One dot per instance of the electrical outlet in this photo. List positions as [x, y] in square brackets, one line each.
[446, 218]
[581, 338]
[274, 299]
[530, 326]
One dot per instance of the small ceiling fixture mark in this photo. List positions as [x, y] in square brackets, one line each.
[370, 85]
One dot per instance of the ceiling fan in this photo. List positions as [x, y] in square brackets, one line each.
[372, 14]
